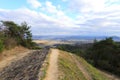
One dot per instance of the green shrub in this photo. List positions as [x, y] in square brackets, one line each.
[1, 46]
[10, 43]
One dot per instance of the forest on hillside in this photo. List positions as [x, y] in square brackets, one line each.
[104, 54]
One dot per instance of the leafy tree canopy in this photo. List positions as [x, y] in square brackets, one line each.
[21, 33]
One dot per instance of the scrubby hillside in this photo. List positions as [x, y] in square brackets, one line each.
[72, 67]
[104, 54]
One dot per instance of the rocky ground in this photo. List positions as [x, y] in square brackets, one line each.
[26, 68]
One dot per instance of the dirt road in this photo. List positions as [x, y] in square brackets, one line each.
[52, 72]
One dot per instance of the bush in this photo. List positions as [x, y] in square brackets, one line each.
[16, 34]
[1, 46]
[10, 43]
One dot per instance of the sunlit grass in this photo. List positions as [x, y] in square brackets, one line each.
[95, 73]
[68, 69]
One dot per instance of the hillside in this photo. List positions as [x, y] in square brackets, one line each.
[7, 56]
[57, 65]
[72, 67]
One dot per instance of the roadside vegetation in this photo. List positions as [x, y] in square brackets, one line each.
[44, 67]
[12, 35]
[95, 73]
[104, 54]
[68, 69]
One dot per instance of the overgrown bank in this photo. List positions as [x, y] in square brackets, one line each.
[104, 54]
[69, 69]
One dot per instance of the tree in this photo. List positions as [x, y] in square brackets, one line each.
[25, 35]
[21, 33]
[105, 54]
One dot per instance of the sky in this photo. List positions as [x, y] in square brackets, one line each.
[65, 17]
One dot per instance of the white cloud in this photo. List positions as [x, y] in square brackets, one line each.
[50, 8]
[94, 5]
[94, 24]
[109, 23]
[40, 22]
[91, 17]
[59, 16]
[34, 3]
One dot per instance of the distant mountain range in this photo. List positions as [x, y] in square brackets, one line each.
[37, 37]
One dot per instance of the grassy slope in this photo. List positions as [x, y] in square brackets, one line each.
[69, 70]
[96, 74]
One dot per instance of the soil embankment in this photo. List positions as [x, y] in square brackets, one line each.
[26, 68]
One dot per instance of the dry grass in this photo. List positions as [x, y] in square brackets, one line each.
[46, 42]
[50, 42]
[41, 41]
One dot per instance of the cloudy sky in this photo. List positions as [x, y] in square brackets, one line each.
[65, 17]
